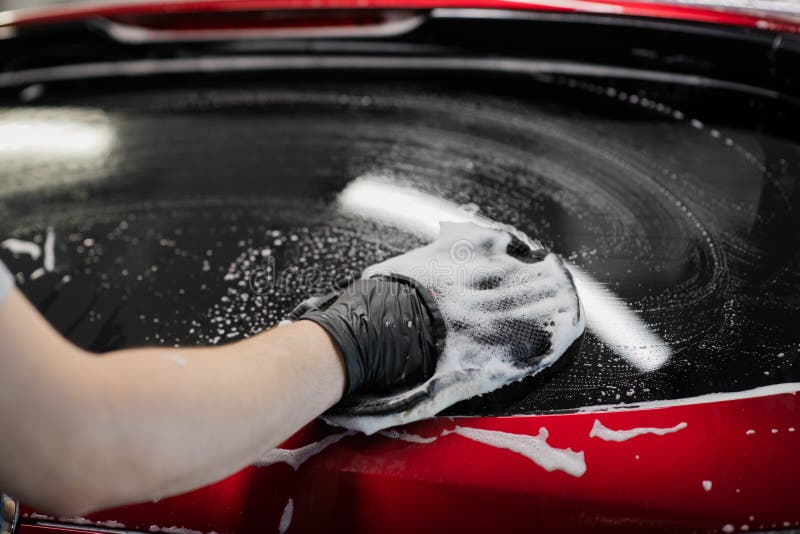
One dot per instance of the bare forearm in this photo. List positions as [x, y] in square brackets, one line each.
[177, 419]
[92, 432]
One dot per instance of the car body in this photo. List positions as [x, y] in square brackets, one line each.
[710, 448]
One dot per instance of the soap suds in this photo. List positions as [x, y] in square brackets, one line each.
[296, 457]
[286, 517]
[50, 251]
[728, 528]
[604, 433]
[707, 485]
[750, 432]
[535, 448]
[482, 292]
[405, 436]
[18, 246]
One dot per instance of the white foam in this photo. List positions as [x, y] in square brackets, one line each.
[604, 433]
[50, 251]
[286, 517]
[535, 448]
[539, 293]
[18, 246]
[707, 485]
[405, 436]
[297, 457]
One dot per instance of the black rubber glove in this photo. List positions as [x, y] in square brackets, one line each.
[389, 330]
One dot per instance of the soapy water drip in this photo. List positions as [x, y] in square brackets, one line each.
[406, 436]
[19, 246]
[297, 457]
[604, 433]
[286, 517]
[534, 448]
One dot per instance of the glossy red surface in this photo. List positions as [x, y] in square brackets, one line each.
[609, 7]
[648, 483]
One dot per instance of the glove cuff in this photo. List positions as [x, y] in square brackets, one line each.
[339, 329]
[368, 323]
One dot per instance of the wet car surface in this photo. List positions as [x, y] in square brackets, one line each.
[193, 193]
[204, 215]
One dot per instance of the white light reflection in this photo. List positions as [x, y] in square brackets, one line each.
[607, 316]
[54, 133]
[610, 319]
[403, 207]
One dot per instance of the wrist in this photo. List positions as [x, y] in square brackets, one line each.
[326, 353]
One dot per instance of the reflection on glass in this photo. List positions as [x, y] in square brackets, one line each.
[607, 316]
[58, 134]
[610, 319]
[415, 211]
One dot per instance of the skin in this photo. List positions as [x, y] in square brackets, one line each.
[90, 433]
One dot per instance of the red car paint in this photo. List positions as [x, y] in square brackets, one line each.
[648, 483]
[609, 7]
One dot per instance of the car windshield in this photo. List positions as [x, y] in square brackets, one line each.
[201, 211]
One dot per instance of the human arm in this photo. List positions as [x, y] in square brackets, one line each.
[82, 433]
[89, 432]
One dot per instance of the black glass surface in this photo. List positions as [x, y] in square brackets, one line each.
[202, 212]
